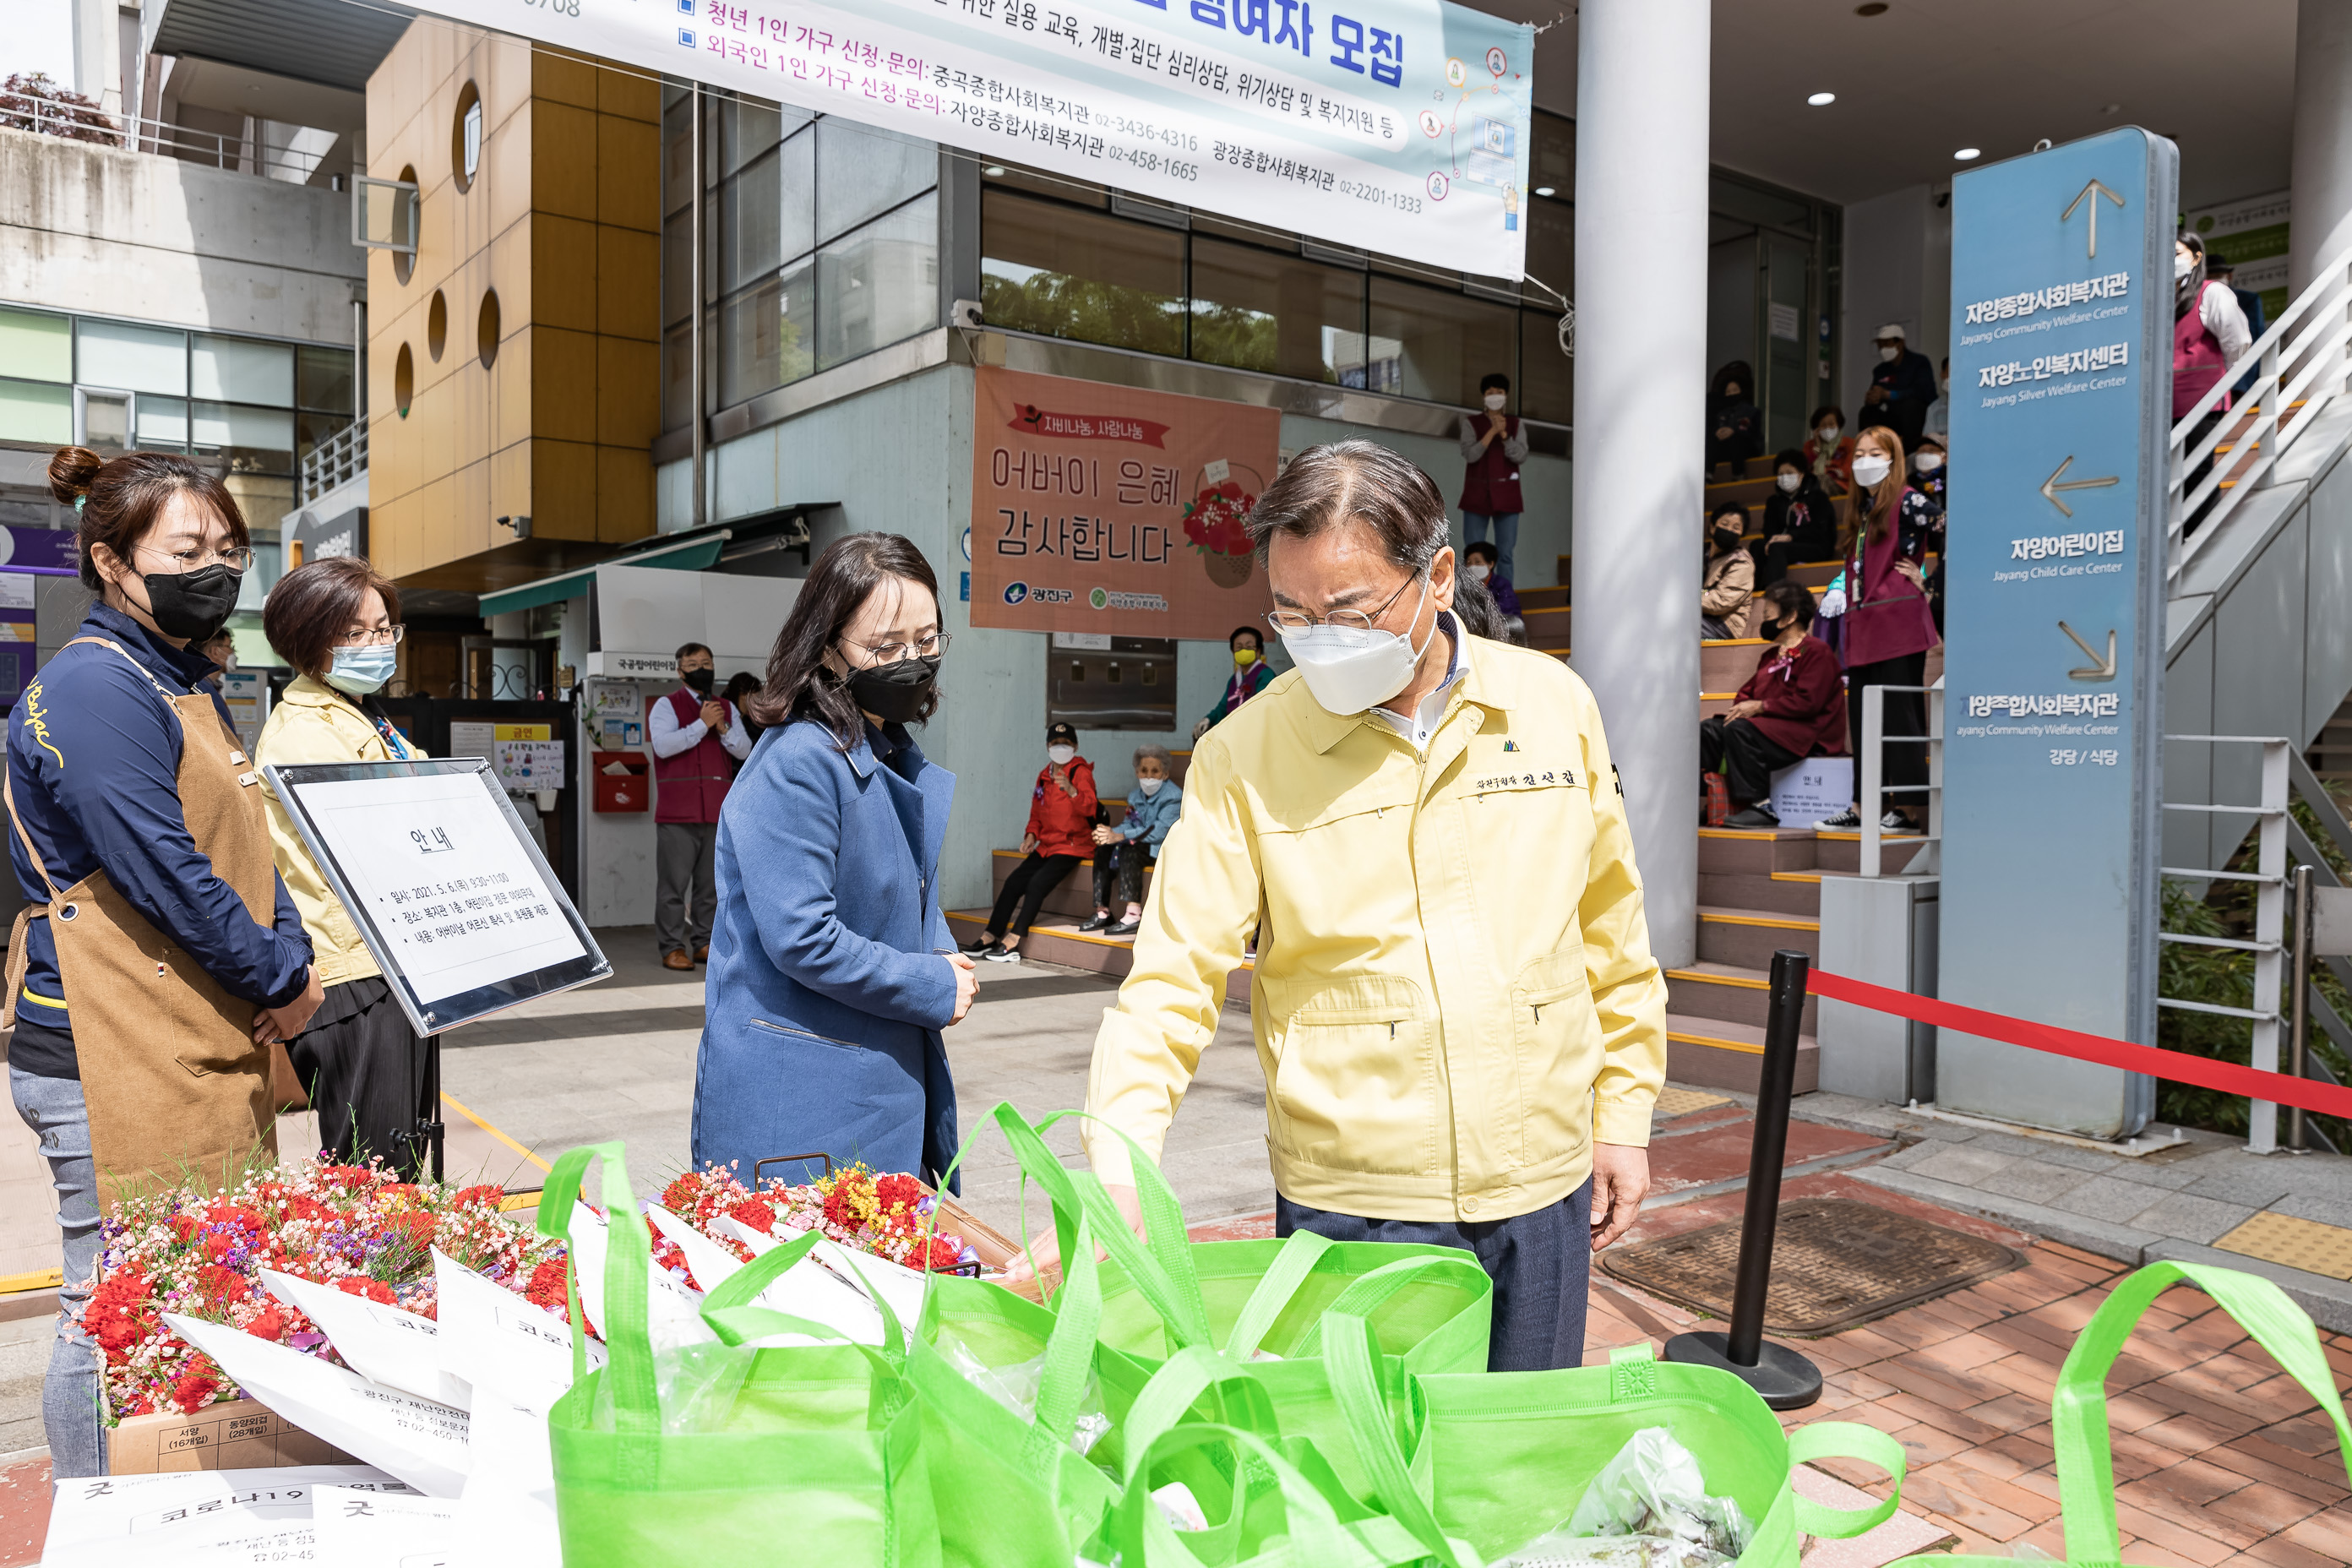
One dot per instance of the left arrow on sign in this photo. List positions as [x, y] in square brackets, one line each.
[2051, 486]
[2098, 670]
[2092, 193]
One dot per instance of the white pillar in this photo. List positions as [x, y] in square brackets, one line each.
[1641, 382]
[2322, 226]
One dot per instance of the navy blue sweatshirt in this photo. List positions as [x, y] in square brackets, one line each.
[94, 762]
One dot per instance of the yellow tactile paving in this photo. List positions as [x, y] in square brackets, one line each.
[1674, 1102]
[2304, 1244]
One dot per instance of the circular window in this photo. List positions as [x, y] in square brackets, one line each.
[403, 262]
[465, 138]
[437, 326]
[485, 329]
[403, 380]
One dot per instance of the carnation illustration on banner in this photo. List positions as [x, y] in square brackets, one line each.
[1222, 497]
[359, 1229]
[888, 1216]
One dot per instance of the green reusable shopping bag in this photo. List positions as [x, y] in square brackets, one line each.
[1431, 1307]
[821, 1447]
[2078, 1406]
[1501, 1457]
[1282, 1509]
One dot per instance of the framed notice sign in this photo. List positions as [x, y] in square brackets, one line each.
[448, 890]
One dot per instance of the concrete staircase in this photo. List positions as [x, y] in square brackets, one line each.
[1759, 890]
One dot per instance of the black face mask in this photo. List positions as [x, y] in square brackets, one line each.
[697, 679]
[1727, 540]
[193, 605]
[894, 692]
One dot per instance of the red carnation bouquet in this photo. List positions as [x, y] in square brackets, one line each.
[357, 1227]
[1212, 520]
[889, 1217]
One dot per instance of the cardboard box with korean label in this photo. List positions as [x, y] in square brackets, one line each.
[235, 1434]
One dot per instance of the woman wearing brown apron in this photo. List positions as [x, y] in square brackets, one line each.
[161, 959]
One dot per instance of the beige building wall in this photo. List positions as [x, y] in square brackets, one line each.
[560, 223]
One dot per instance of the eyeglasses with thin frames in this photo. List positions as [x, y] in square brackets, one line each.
[930, 647]
[372, 637]
[1354, 620]
[236, 557]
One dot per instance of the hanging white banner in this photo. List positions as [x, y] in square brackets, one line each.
[1399, 126]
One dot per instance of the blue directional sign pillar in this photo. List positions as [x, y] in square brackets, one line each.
[2061, 407]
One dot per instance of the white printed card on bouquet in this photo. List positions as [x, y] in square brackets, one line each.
[421, 1441]
[380, 1343]
[498, 1342]
[359, 1529]
[96, 1522]
[673, 1312]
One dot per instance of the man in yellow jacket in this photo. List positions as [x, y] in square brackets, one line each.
[1461, 1024]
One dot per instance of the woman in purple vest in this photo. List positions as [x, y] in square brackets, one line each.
[695, 737]
[2209, 335]
[832, 971]
[1493, 448]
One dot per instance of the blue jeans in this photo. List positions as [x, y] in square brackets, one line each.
[1541, 1264]
[53, 1109]
[1506, 537]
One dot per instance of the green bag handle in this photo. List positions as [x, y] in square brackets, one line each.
[1280, 1282]
[1351, 1350]
[1163, 1404]
[628, 1252]
[1144, 1539]
[1366, 1293]
[1846, 1440]
[1161, 1271]
[1069, 1353]
[2078, 1408]
[747, 1284]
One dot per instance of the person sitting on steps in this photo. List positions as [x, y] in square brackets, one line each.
[1792, 708]
[1129, 850]
[1061, 818]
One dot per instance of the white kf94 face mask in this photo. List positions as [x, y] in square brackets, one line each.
[1351, 668]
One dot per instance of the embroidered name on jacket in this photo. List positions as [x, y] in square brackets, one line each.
[1545, 778]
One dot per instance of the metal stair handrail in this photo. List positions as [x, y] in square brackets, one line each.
[2309, 371]
[337, 461]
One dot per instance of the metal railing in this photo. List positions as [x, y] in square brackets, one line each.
[337, 461]
[2298, 365]
[2268, 949]
[138, 134]
[1873, 792]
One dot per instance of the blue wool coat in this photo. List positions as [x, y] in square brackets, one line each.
[828, 986]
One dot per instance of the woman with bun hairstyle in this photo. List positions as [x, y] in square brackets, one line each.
[337, 623]
[161, 959]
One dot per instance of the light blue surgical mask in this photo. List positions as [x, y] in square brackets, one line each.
[360, 670]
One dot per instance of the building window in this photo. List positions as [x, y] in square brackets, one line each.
[465, 138]
[820, 243]
[1441, 342]
[1259, 310]
[1068, 273]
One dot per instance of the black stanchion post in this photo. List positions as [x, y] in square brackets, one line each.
[1786, 1380]
[435, 1130]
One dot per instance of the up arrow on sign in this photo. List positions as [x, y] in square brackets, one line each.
[2091, 190]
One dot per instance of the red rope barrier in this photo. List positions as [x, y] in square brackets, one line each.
[2176, 1067]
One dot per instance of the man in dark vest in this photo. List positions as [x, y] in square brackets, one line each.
[1493, 448]
[694, 735]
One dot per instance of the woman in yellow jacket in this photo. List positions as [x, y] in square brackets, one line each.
[336, 622]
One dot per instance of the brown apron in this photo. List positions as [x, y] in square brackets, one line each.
[177, 1090]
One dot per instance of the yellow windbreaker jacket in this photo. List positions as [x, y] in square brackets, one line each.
[315, 723]
[1453, 992]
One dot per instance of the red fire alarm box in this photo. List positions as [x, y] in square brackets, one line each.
[623, 781]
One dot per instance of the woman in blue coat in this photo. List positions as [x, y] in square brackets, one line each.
[832, 971]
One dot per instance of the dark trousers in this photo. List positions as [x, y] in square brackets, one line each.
[1907, 714]
[1748, 756]
[1541, 1264]
[686, 865]
[1123, 863]
[1029, 885]
[364, 1067]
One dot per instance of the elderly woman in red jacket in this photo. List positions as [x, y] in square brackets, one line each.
[1061, 834]
[1792, 708]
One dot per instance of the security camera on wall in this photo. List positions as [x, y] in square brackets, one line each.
[965, 313]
